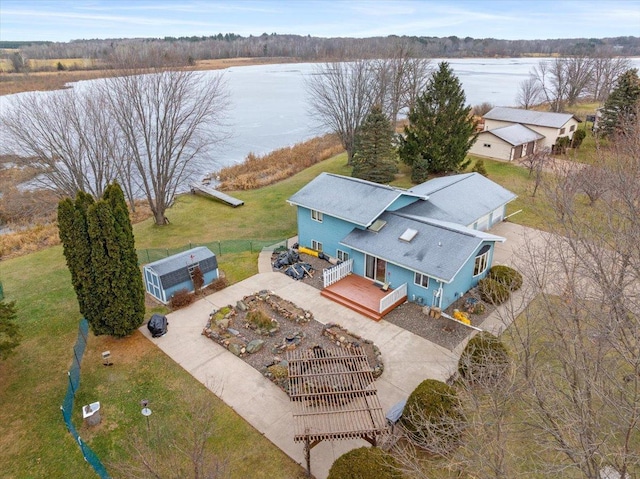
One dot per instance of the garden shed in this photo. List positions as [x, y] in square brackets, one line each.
[164, 277]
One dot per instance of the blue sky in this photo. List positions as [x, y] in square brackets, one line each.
[64, 20]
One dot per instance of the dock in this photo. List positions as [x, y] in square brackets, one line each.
[215, 194]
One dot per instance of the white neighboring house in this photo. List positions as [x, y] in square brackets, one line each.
[550, 125]
[506, 143]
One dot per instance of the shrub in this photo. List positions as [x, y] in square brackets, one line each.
[260, 319]
[507, 276]
[432, 416]
[217, 284]
[492, 291]
[480, 168]
[578, 138]
[197, 278]
[485, 360]
[181, 298]
[365, 463]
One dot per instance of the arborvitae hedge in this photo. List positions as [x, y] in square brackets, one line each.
[492, 291]
[511, 278]
[485, 360]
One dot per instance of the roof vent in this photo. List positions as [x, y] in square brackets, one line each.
[408, 234]
[377, 225]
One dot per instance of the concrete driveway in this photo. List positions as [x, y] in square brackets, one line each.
[408, 359]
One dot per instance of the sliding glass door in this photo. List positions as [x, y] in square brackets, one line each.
[375, 268]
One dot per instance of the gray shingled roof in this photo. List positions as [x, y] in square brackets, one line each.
[351, 199]
[174, 269]
[461, 199]
[529, 117]
[438, 250]
[515, 134]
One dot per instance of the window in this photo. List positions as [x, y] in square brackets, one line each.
[192, 267]
[342, 255]
[421, 280]
[487, 145]
[316, 216]
[573, 127]
[562, 131]
[482, 260]
[316, 245]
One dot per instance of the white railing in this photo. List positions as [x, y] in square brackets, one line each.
[393, 297]
[337, 272]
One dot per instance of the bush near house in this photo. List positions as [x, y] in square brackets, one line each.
[433, 416]
[365, 463]
[493, 291]
[511, 278]
[181, 298]
[484, 361]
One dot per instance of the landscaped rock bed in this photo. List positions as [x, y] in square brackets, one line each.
[262, 327]
[410, 316]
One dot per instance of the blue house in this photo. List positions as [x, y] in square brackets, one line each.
[164, 277]
[428, 244]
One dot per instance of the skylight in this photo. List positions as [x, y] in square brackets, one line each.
[408, 235]
[377, 225]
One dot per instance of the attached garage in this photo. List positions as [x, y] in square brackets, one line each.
[164, 277]
[507, 143]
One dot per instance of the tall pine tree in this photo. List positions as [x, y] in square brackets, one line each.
[375, 157]
[441, 128]
[100, 251]
[622, 105]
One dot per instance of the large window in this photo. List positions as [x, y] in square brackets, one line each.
[316, 245]
[316, 216]
[482, 261]
[421, 280]
[375, 268]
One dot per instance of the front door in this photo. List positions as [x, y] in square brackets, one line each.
[375, 268]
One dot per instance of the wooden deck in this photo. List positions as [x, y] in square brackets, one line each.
[360, 294]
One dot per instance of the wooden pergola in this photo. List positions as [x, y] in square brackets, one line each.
[334, 397]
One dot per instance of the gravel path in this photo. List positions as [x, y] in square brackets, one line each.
[444, 332]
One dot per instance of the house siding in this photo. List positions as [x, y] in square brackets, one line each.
[329, 232]
[401, 202]
[550, 134]
[163, 294]
[499, 150]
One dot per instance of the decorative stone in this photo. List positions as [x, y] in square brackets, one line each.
[242, 306]
[255, 346]
[235, 348]
[235, 332]
[223, 323]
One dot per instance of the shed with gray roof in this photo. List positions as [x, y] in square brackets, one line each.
[164, 277]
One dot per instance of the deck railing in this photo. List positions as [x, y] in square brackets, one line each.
[393, 297]
[337, 272]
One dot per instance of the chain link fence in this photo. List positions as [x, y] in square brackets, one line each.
[69, 398]
[220, 248]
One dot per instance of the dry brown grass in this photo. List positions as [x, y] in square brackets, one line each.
[29, 240]
[259, 171]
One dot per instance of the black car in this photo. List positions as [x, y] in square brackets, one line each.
[158, 325]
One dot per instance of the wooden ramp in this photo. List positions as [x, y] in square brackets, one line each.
[215, 194]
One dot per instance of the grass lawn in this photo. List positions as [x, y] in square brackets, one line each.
[35, 442]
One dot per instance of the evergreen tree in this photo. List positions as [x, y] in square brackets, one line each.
[99, 247]
[72, 228]
[375, 157]
[622, 104]
[9, 332]
[441, 128]
[131, 272]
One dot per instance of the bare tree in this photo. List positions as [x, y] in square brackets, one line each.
[563, 80]
[482, 109]
[159, 454]
[71, 137]
[529, 93]
[536, 164]
[341, 95]
[606, 69]
[169, 121]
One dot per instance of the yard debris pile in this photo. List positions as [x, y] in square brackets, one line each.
[289, 262]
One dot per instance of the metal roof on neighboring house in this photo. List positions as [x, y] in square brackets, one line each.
[174, 269]
[351, 199]
[461, 199]
[529, 117]
[515, 135]
[438, 249]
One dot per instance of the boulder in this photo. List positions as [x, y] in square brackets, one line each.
[255, 346]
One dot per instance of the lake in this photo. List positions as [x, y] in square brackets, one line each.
[269, 107]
